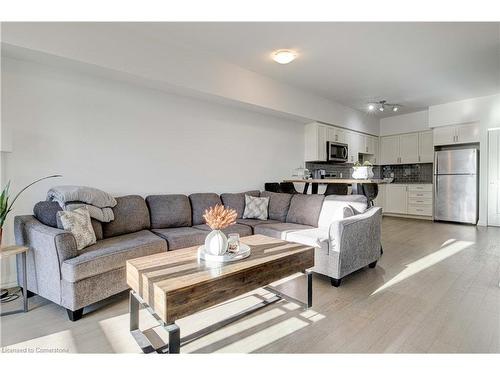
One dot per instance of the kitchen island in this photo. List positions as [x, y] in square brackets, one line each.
[325, 181]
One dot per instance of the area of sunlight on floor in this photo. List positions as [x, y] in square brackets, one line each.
[447, 249]
[245, 336]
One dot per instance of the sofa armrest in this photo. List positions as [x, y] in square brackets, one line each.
[357, 239]
[31, 232]
[48, 248]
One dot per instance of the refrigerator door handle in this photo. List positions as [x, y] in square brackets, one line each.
[435, 162]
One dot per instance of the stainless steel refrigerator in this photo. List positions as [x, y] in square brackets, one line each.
[456, 185]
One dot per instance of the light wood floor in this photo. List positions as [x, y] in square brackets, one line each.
[436, 289]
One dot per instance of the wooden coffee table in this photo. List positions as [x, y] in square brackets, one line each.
[176, 284]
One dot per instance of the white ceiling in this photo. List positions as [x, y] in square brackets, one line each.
[413, 64]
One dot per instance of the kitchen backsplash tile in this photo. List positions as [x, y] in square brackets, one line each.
[404, 173]
[409, 173]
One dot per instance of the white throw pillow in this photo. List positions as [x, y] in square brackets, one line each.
[79, 224]
[333, 208]
[256, 208]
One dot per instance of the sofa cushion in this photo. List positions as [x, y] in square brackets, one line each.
[200, 202]
[169, 210]
[131, 215]
[305, 209]
[316, 237]
[236, 201]
[278, 205]
[110, 254]
[242, 230]
[178, 238]
[333, 208]
[46, 212]
[254, 222]
[279, 230]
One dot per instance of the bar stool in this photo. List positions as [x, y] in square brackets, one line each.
[336, 189]
[273, 187]
[370, 191]
[288, 187]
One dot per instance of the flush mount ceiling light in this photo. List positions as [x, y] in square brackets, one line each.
[382, 106]
[284, 56]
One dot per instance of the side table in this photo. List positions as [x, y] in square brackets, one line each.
[7, 251]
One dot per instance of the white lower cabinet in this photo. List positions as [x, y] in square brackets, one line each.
[396, 199]
[406, 199]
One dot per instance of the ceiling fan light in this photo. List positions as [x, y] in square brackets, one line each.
[395, 108]
[371, 107]
[381, 109]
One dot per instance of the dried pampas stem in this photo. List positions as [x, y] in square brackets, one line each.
[219, 217]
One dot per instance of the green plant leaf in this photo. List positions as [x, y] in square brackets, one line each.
[5, 207]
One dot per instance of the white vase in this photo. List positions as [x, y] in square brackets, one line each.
[362, 172]
[216, 243]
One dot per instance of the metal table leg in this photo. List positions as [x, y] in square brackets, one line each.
[24, 287]
[309, 288]
[174, 338]
[25, 282]
[306, 187]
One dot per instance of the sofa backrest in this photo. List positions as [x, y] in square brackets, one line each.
[236, 201]
[131, 215]
[279, 203]
[199, 203]
[333, 207]
[305, 209]
[169, 211]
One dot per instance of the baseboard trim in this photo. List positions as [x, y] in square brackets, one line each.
[9, 284]
[408, 216]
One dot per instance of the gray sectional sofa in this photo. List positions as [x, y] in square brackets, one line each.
[75, 279]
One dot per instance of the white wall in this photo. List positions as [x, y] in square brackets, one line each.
[127, 139]
[486, 111]
[407, 123]
[116, 47]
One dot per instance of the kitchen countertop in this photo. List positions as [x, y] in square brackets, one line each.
[336, 181]
[411, 183]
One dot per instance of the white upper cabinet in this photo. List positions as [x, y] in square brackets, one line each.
[468, 133]
[444, 135]
[330, 134]
[315, 142]
[389, 150]
[408, 148]
[356, 144]
[425, 147]
[371, 145]
[340, 135]
[448, 135]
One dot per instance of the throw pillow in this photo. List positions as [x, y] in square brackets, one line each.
[46, 212]
[255, 207]
[78, 223]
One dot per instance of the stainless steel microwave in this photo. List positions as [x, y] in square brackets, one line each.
[337, 152]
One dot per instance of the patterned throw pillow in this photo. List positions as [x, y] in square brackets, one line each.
[255, 208]
[78, 223]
